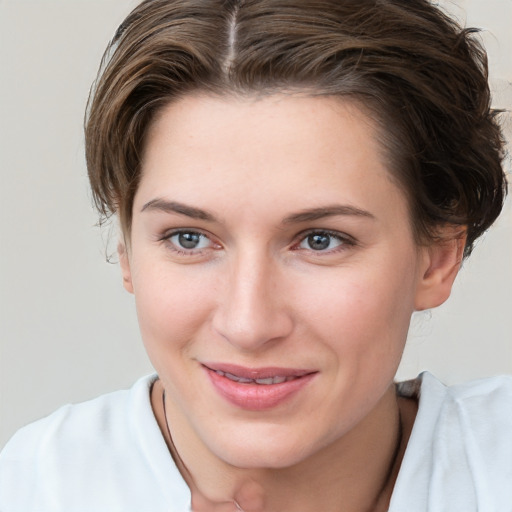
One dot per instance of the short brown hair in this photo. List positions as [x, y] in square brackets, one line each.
[423, 79]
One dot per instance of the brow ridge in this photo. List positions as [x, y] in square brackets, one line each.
[313, 214]
[308, 215]
[180, 208]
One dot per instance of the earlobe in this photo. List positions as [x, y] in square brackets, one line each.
[441, 266]
[124, 262]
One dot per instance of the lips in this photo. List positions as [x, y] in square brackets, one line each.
[278, 379]
[257, 388]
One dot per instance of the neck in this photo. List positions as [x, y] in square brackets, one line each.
[356, 473]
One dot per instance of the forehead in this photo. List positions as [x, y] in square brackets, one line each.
[283, 148]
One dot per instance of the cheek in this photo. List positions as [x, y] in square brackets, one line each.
[172, 304]
[362, 313]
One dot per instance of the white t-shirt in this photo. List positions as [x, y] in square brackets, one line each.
[108, 455]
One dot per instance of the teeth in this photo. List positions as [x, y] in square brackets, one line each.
[236, 378]
[264, 382]
[267, 381]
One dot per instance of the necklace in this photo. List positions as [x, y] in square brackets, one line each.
[172, 447]
[394, 458]
[174, 452]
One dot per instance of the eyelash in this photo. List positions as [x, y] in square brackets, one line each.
[182, 251]
[345, 241]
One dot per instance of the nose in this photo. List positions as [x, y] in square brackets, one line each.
[253, 307]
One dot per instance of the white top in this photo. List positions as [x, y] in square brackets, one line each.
[108, 455]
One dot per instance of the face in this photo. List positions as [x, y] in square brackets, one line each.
[274, 270]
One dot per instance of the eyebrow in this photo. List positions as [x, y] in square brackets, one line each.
[326, 211]
[308, 215]
[180, 208]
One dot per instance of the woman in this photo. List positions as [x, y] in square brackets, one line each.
[293, 180]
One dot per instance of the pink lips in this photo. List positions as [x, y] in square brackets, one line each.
[256, 389]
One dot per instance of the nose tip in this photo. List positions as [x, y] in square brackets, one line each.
[246, 334]
[253, 311]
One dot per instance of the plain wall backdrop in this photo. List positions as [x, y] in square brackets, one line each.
[68, 330]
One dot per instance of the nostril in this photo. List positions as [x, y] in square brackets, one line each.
[254, 330]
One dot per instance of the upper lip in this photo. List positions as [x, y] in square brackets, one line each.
[257, 373]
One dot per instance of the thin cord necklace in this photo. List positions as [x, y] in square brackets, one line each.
[394, 458]
[174, 451]
[392, 464]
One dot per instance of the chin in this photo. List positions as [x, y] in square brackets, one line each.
[262, 459]
[262, 451]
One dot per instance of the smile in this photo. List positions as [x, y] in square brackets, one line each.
[263, 382]
[257, 389]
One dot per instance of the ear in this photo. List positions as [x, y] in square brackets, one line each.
[439, 269]
[124, 262]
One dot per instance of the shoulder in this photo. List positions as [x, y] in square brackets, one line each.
[479, 407]
[484, 398]
[79, 424]
[478, 413]
[459, 456]
[107, 444]
[482, 412]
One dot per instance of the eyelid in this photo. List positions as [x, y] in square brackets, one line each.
[347, 240]
[167, 235]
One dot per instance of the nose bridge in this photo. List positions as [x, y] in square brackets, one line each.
[252, 310]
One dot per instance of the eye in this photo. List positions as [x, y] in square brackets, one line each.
[189, 241]
[323, 241]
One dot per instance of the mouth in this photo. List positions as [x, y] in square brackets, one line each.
[257, 388]
[278, 379]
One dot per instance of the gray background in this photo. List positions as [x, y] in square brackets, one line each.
[68, 330]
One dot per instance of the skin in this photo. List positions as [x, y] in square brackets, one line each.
[256, 293]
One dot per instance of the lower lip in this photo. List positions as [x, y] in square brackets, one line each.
[257, 397]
